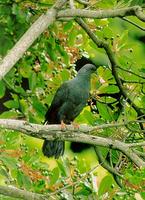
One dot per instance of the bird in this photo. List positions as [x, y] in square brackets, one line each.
[69, 100]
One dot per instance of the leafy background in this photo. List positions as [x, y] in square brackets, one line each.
[28, 89]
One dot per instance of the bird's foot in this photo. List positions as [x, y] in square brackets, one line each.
[75, 125]
[63, 126]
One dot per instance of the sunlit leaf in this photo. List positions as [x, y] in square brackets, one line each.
[55, 175]
[104, 111]
[23, 180]
[9, 162]
[68, 26]
[12, 114]
[32, 81]
[11, 104]
[105, 185]
[2, 89]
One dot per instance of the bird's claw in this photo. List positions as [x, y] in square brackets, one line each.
[63, 126]
[75, 125]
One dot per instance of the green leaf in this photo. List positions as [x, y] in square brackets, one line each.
[101, 22]
[143, 195]
[124, 37]
[9, 114]
[63, 53]
[107, 31]
[62, 168]
[52, 42]
[143, 101]
[105, 111]
[9, 162]
[89, 117]
[19, 178]
[82, 165]
[23, 180]
[105, 185]
[137, 2]
[110, 89]
[11, 104]
[142, 70]
[52, 53]
[2, 89]
[25, 70]
[5, 10]
[4, 172]
[68, 26]
[85, 191]
[12, 138]
[40, 82]
[2, 26]
[65, 75]
[55, 175]
[32, 81]
[23, 106]
[20, 90]
[107, 99]
[6, 43]
[38, 105]
[15, 9]
[33, 119]
[72, 37]
[39, 186]
[20, 15]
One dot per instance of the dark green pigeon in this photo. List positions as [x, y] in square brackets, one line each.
[69, 100]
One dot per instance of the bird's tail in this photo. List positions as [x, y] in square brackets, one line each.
[53, 148]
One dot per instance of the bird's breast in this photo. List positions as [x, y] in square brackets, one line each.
[79, 95]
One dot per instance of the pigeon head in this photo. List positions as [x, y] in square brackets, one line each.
[87, 70]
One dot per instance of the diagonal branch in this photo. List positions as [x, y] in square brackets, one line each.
[113, 62]
[48, 18]
[29, 37]
[83, 134]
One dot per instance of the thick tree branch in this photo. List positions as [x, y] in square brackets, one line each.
[29, 37]
[54, 132]
[48, 18]
[101, 14]
[22, 194]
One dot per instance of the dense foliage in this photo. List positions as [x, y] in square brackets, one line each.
[27, 90]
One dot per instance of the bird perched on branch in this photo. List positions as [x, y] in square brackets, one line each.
[69, 100]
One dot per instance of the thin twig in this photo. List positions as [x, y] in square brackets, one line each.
[133, 23]
[84, 176]
[131, 72]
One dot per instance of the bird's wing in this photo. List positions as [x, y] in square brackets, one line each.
[60, 97]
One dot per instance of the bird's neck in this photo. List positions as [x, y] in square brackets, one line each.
[84, 80]
[84, 76]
